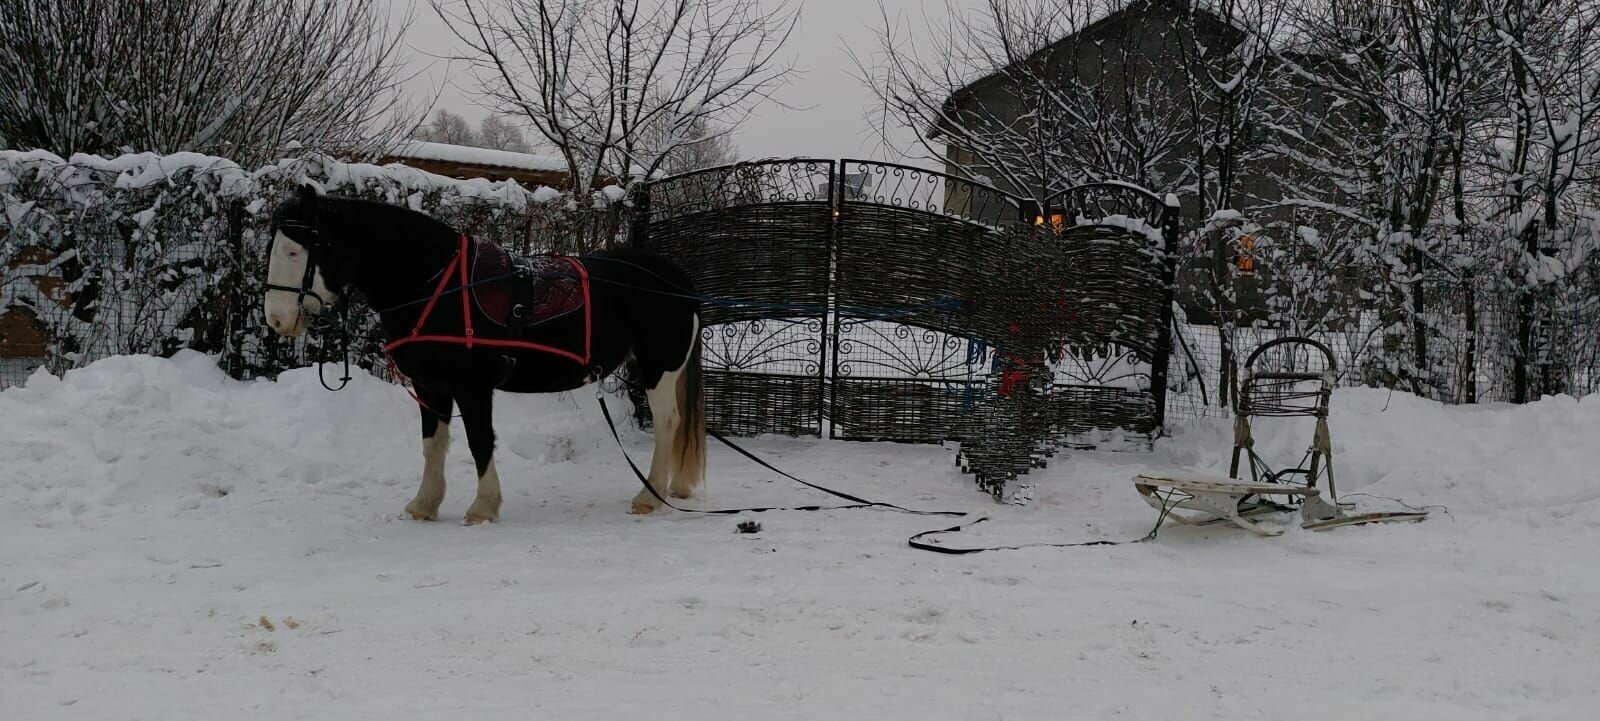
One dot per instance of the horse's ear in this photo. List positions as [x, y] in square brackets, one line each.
[310, 202]
[308, 196]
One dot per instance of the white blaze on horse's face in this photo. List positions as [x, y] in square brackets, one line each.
[286, 267]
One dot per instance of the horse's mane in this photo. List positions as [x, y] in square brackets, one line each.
[367, 212]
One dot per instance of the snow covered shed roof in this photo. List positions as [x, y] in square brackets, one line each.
[461, 161]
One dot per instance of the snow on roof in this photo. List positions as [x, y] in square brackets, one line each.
[467, 155]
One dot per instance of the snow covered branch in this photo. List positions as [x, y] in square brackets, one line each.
[618, 87]
[253, 80]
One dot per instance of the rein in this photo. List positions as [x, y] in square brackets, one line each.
[855, 501]
[344, 350]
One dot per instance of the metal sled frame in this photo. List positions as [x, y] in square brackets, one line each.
[1262, 394]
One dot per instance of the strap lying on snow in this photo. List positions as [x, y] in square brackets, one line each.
[856, 502]
[916, 541]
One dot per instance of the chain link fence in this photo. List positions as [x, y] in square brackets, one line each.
[1483, 307]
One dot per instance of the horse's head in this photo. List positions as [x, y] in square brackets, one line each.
[302, 272]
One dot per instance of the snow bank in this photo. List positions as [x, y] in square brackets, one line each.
[180, 545]
[139, 428]
[140, 432]
[138, 171]
[1472, 458]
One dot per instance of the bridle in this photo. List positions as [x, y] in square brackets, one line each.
[307, 289]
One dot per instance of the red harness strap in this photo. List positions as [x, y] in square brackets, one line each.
[470, 339]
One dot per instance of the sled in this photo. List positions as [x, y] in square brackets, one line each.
[1198, 501]
[1295, 387]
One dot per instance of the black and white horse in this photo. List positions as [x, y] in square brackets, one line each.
[638, 308]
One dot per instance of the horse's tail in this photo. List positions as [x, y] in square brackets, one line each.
[691, 441]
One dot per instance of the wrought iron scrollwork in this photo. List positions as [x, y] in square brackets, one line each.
[929, 191]
[1101, 364]
[872, 348]
[767, 182]
[765, 345]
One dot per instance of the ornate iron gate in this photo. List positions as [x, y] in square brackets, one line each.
[910, 358]
[757, 237]
[866, 300]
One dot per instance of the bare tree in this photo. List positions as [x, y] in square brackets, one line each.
[1394, 89]
[501, 133]
[244, 79]
[1548, 139]
[712, 148]
[615, 86]
[447, 127]
[704, 145]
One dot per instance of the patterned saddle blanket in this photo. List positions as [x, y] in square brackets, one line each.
[520, 293]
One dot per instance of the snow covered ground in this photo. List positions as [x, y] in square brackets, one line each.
[177, 545]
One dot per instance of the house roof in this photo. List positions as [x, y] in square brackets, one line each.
[1112, 13]
[482, 157]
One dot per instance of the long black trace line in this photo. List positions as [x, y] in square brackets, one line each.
[915, 541]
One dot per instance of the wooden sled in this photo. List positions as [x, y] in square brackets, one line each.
[1299, 384]
[1203, 501]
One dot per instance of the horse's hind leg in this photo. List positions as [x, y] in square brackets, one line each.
[664, 418]
[435, 409]
[477, 416]
[678, 410]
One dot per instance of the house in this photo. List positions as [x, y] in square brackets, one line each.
[1125, 66]
[1112, 102]
[22, 336]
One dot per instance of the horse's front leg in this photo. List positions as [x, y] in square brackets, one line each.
[477, 416]
[435, 408]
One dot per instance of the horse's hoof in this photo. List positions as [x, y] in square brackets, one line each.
[483, 511]
[419, 513]
[682, 493]
[642, 509]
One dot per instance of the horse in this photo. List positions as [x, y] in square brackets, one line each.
[520, 326]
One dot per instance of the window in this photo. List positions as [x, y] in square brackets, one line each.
[1245, 252]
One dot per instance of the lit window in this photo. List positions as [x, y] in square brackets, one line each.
[1247, 254]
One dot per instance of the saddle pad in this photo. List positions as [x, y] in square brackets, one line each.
[518, 293]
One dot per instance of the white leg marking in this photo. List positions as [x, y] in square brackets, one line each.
[425, 507]
[688, 448]
[486, 507]
[664, 416]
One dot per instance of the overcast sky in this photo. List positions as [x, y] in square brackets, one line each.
[829, 117]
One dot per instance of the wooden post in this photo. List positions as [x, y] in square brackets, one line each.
[1171, 226]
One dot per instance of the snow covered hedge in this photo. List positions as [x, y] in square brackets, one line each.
[1326, 277]
[146, 253]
